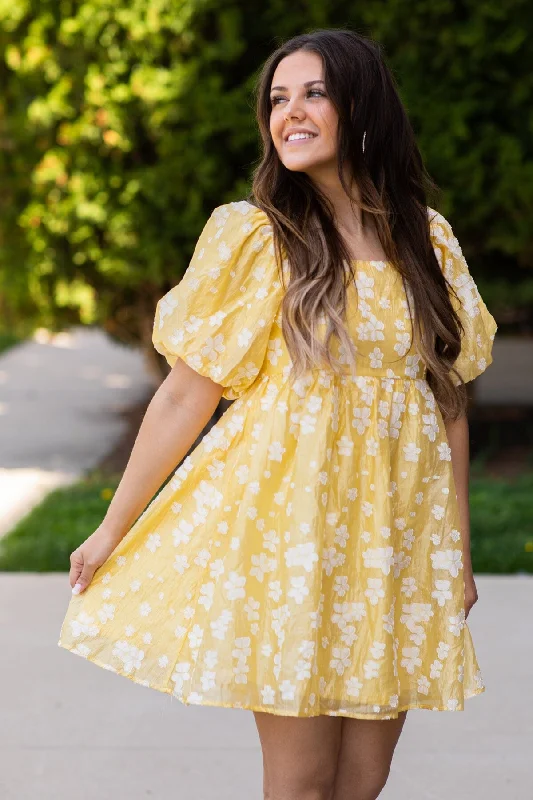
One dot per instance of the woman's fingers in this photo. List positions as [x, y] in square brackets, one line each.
[81, 572]
[88, 557]
[84, 579]
[76, 567]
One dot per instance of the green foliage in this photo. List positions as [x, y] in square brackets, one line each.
[501, 514]
[122, 124]
[44, 540]
[8, 340]
[465, 76]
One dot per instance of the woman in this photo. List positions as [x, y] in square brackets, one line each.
[310, 559]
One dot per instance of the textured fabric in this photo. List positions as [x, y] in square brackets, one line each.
[306, 557]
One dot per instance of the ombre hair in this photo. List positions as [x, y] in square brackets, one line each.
[393, 185]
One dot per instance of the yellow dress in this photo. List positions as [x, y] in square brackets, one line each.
[306, 557]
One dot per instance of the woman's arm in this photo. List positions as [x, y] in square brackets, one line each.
[458, 439]
[178, 412]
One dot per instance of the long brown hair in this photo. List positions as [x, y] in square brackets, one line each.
[393, 184]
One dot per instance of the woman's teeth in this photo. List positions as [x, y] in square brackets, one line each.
[295, 136]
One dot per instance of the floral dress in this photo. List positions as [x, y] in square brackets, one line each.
[306, 557]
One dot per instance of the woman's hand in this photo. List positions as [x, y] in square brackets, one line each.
[470, 592]
[85, 559]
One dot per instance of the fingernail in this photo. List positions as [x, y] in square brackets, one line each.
[77, 589]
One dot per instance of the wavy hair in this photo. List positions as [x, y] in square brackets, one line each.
[393, 185]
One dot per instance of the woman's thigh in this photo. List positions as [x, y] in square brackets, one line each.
[366, 750]
[299, 755]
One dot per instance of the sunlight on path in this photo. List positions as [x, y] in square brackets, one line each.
[62, 397]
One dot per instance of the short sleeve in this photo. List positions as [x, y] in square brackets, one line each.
[218, 318]
[479, 325]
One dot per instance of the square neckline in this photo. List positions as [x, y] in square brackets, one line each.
[352, 260]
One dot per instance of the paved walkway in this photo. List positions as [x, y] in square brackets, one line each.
[60, 404]
[72, 729]
[509, 379]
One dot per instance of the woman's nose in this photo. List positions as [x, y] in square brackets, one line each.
[293, 112]
[293, 109]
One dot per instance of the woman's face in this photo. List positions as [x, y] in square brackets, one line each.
[299, 104]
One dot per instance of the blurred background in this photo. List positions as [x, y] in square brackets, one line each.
[122, 125]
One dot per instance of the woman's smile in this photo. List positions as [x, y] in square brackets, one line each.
[299, 138]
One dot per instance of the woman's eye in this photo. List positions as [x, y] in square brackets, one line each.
[275, 98]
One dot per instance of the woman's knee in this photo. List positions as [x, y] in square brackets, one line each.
[368, 786]
[300, 787]
[300, 781]
[372, 785]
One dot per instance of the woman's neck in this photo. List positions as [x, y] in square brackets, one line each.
[346, 211]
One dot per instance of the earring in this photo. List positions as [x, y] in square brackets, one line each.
[364, 137]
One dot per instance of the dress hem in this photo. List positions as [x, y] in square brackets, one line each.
[271, 709]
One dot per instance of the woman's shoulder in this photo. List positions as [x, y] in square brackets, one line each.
[433, 214]
[236, 234]
[438, 222]
[239, 212]
[442, 237]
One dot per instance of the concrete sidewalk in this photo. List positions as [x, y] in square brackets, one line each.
[72, 729]
[60, 403]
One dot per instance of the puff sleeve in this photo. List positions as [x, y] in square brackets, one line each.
[479, 325]
[218, 318]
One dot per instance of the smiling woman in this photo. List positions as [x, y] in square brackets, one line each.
[309, 561]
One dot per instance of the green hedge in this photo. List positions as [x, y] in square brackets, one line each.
[122, 125]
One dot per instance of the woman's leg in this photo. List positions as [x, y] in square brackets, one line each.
[299, 755]
[367, 747]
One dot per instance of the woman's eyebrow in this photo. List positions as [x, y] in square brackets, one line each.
[307, 84]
